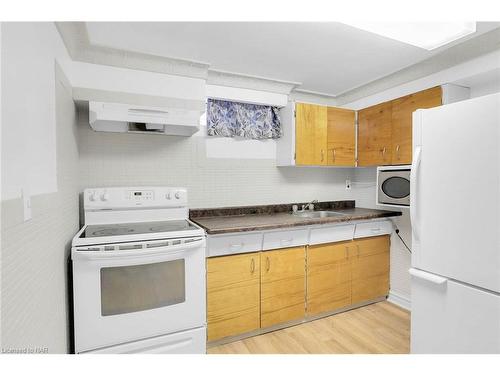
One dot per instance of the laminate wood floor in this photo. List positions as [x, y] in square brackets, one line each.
[378, 328]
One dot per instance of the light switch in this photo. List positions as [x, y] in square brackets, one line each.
[26, 204]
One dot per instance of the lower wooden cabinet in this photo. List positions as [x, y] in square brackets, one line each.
[328, 277]
[258, 290]
[345, 273]
[233, 295]
[283, 285]
[370, 268]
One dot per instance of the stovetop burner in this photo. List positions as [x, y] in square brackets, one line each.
[104, 230]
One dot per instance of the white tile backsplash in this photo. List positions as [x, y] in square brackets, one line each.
[114, 159]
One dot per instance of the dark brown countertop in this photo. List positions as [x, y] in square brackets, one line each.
[253, 218]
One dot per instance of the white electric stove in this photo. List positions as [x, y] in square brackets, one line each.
[139, 273]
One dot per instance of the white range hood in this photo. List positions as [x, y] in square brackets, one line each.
[126, 118]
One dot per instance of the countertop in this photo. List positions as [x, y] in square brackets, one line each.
[254, 218]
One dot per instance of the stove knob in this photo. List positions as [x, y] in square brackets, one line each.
[177, 195]
[168, 196]
[104, 197]
[93, 196]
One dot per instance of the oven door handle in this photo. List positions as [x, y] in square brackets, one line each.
[144, 252]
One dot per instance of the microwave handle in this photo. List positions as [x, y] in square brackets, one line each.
[140, 253]
[413, 191]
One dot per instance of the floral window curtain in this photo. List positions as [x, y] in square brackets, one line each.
[232, 119]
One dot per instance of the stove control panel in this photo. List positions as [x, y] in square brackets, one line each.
[134, 197]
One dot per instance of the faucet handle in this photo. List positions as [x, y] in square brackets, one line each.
[295, 208]
[311, 206]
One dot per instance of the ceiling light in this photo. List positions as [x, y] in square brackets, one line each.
[428, 35]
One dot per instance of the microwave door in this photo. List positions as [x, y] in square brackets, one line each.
[394, 187]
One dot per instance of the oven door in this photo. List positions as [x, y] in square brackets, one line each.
[137, 290]
[394, 187]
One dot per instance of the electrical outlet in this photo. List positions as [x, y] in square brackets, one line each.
[348, 184]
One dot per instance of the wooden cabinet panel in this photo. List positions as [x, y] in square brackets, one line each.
[402, 112]
[341, 137]
[328, 277]
[370, 268]
[282, 285]
[310, 134]
[374, 135]
[233, 295]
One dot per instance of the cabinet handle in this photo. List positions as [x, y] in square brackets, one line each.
[397, 151]
[268, 264]
[322, 155]
[252, 265]
[334, 155]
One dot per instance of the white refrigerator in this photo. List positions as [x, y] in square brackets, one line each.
[455, 215]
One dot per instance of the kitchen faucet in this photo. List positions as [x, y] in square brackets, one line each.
[309, 205]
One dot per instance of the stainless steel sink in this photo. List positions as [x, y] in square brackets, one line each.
[318, 214]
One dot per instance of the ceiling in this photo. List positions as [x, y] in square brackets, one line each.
[325, 57]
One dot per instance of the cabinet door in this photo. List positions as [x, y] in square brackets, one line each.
[402, 111]
[374, 135]
[283, 285]
[328, 277]
[310, 134]
[370, 268]
[233, 295]
[341, 138]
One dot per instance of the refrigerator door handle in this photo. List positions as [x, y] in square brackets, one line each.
[413, 191]
[430, 277]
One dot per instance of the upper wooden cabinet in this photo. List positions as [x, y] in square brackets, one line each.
[385, 130]
[402, 110]
[310, 133]
[317, 135]
[341, 137]
[374, 135]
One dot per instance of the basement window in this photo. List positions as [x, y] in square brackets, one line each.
[234, 119]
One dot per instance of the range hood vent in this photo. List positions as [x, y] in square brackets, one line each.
[125, 118]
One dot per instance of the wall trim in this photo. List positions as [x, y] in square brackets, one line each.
[460, 53]
[399, 300]
[77, 42]
[245, 81]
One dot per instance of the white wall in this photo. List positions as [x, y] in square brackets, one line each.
[39, 142]
[34, 253]
[28, 115]
[364, 188]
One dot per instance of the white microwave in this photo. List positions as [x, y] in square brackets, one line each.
[393, 185]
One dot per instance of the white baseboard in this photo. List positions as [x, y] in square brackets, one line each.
[400, 300]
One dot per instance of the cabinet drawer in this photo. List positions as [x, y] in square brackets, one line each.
[373, 228]
[286, 238]
[234, 244]
[332, 234]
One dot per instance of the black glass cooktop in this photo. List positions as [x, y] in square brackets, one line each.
[104, 230]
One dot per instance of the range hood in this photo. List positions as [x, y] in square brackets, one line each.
[126, 118]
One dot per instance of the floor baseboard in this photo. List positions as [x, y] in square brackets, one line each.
[400, 300]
